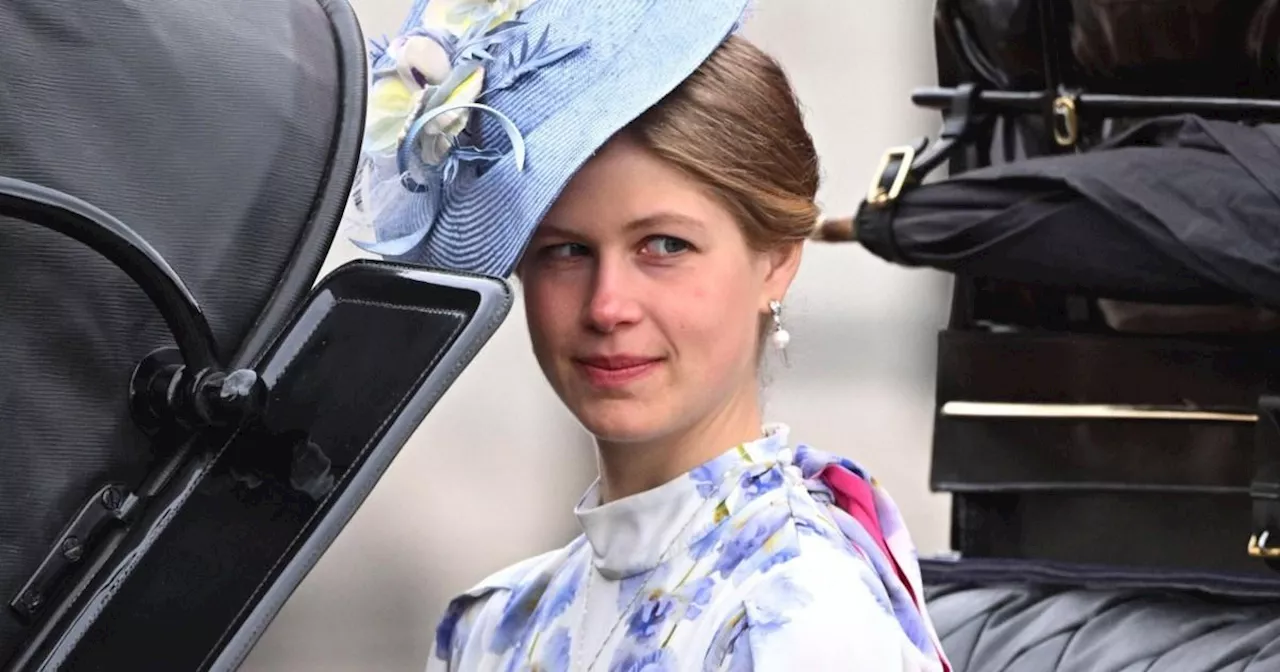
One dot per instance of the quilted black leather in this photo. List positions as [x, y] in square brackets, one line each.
[1032, 626]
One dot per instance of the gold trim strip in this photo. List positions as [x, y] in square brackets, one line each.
[986, 409]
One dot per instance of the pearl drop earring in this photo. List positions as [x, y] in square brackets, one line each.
[780, 337]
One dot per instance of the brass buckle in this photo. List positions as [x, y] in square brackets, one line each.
[1066, 121]
[1258, 546]
[877, 194]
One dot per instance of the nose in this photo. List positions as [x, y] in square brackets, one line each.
[613, 302]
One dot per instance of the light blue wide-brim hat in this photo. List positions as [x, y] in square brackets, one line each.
[481, 111]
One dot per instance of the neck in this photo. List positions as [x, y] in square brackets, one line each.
[628, 468]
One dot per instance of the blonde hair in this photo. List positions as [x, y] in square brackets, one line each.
[736, 126]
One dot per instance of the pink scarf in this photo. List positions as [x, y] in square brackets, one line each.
[865, 503]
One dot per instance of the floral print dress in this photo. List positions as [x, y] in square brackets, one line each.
[744, 563]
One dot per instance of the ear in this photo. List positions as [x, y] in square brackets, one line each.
[781, 264]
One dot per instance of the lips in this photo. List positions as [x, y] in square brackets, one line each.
[615, 371]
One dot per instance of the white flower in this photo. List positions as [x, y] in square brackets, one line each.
[425, 79]
[456, 16]
[420, 63]
[441, 130]
[422, 54]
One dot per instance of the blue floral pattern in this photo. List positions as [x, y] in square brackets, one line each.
[517, 614]
[554, 654]
[560, 593]
[741, 588]
[697, 596]
[756, 484]
[629, 586]
[708, 476]
[752, 540]
[650, 616]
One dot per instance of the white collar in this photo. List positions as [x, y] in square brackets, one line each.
[631, 535]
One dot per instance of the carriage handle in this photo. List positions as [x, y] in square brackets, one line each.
[194, 391]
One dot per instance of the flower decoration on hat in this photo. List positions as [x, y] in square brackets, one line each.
[426, 85]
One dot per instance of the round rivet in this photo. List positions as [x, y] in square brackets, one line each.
[72, 549]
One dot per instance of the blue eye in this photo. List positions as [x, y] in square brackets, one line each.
[564, 250]
[666, 246]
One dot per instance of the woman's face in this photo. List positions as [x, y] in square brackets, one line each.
[643, 298]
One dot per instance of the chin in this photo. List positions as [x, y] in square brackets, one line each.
[621, 421]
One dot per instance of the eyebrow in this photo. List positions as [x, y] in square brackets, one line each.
[660, 218]
[647, 222]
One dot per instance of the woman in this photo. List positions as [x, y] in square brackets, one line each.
[654, 281]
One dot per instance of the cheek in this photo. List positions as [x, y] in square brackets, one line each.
[717, 321]
[548, 313]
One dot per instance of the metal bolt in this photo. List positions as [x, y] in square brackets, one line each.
[220, 400]
[238, 384]
[72, 549]
[32, 601]
[111, 499]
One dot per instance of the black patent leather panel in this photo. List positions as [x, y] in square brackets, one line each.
[371, 351]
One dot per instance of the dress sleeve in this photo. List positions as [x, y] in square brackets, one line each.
[439, 663]
[817, 615]
[451, 636]
[470, 616]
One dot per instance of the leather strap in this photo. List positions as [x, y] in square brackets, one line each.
[902, 168]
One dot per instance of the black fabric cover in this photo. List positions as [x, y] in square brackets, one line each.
[1151, 47]
[208, 127]
[999, 39]
[1163, 46]
[1177, 209]
[1029, 618]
